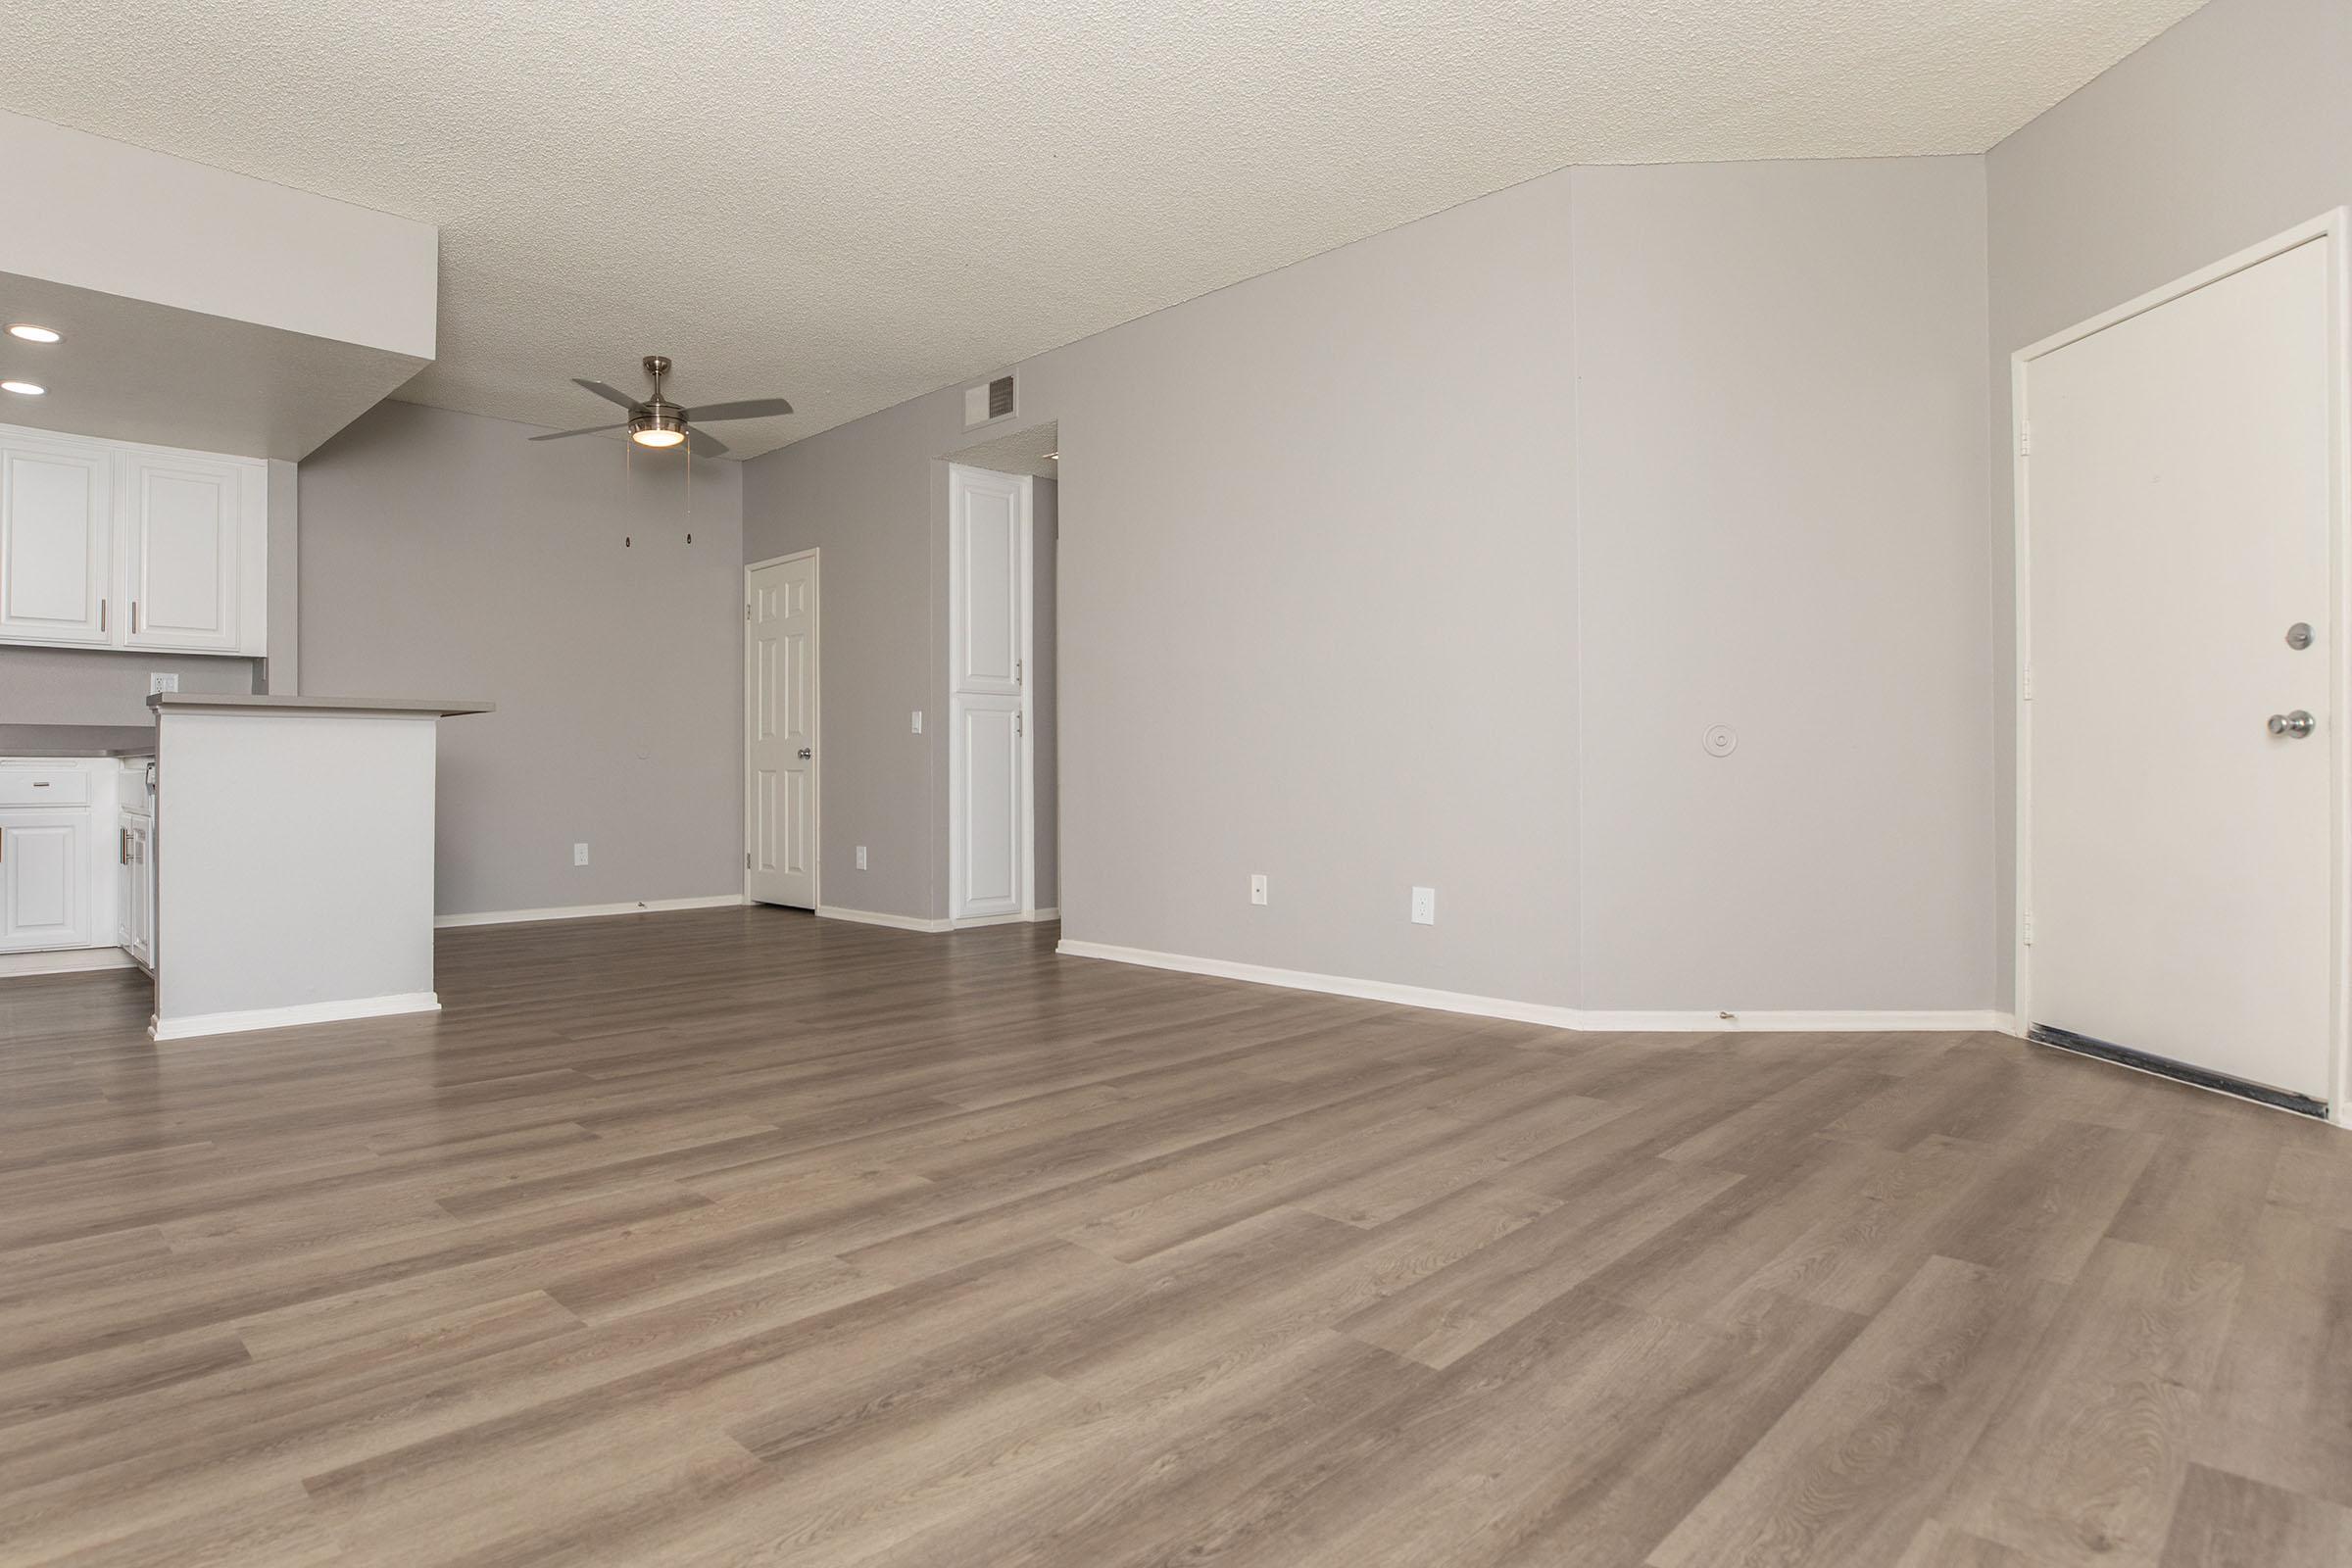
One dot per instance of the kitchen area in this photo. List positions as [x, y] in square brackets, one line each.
[171, 801]
[285, 873]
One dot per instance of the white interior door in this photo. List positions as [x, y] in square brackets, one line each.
[779, 684]
[988, 653]
[2176, 501]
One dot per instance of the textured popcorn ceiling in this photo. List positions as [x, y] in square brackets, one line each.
[850, 202]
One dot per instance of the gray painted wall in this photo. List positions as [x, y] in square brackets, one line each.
[80, 686]
[1321, 589]
[2229, 127]
[861, 496]
[1781, 508]
[444, 555]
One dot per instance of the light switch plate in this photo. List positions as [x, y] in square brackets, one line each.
[860, 856]
[1425, 906]
[579, 855]
[918, 721]
[1257, 887]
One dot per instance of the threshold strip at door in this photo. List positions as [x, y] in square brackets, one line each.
[2166, 1068]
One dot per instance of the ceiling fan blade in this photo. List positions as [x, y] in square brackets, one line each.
[609, 394]
[748, 409]
[557, 435]
[705, 446]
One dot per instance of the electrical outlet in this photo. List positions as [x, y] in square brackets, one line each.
[918, 721]
[579, 855]
[157, 681]
[1257, 887]
[1425, 906]
[860, 856]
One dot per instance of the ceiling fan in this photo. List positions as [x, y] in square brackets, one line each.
[655, 421]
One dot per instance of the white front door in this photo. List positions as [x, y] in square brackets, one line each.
[988, 652]
[779, 684]
[2176, 497]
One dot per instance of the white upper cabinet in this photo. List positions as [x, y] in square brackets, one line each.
[181, 541]
[104, 544]
[55, 529]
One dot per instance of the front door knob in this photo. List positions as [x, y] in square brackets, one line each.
[2297, 724]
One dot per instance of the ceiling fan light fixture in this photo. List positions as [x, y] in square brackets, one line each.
[657, 428]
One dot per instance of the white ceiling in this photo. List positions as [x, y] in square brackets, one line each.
[852, 202]
[1033, 451]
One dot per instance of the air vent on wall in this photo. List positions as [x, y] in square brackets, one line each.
[990, 400]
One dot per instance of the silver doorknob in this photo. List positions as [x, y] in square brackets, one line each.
[805, 750]
[2297, 724]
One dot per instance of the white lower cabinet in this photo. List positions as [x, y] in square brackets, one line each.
[44, 880]
[134, 889]
[57, 851]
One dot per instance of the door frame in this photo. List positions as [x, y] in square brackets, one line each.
[2329, 228]
[816, 720]
[1025, 570]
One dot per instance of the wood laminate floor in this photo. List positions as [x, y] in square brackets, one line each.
[736, 1237]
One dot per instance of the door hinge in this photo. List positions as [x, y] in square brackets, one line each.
[1021, 725]
[747, 860]
[1017, 666]
[747, 612]
[2024, 438]
[2025, 930]
[2025, 683]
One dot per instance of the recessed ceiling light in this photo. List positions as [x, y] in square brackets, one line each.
[31, 333]
[23, 389]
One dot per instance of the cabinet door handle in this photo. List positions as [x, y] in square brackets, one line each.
[123, 846]
[134, 616]
[102, 614]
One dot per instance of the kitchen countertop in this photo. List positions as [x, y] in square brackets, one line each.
[58, 740]
[229, 701]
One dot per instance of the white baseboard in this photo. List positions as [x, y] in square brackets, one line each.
[587, 911]
[66, 960]
[909, 922]
[1855, 1020]
[229, 1023]
[1677, 1022]
[897, 922]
